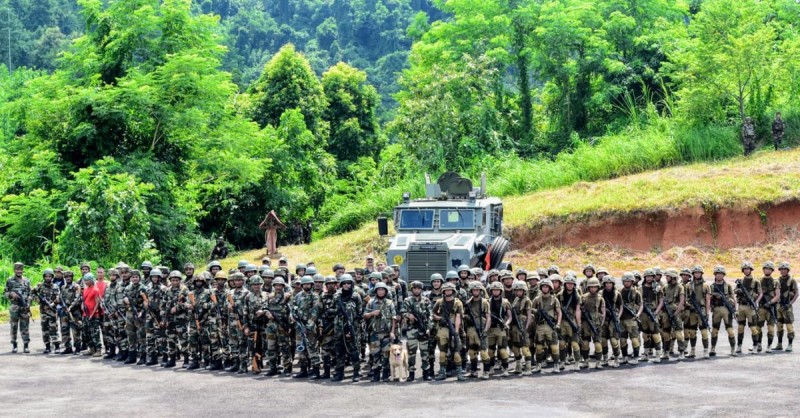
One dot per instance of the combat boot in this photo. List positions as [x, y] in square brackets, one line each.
[634, 361]
[67, 350]
[681, 356]
[338, 376]
[442, 373]
[46, 349]
[376, 375]
[385, 372]
[170, 362]
[779, 347]
[503, 372]
[326, 371]
[131, 357]
[625, 360]
[664, 355]
[657, 357]
[557, 367]
[462, 377]
[273, 370]
[758, 348]
[537, 368]
[165, 360]
[193, 365]
[25, 348]
[585, 364]
[142, 359]
[705, 353]
[185, 361]
[598, 365]
[303, 373]
[526, 368]
[90, 352]
[356, 375]
[410, 377]
[560, 366]
[14, 347]
[604, 360]
[122, 355]
[110, 354]
[57, 349]
[739, 349]
[691, 353]
[769, 349]
[789, 348]
[314, 373]
[614, 363]
[518, 367]
[733, 352]
[216, 365]
[232, 366]
[152, 360]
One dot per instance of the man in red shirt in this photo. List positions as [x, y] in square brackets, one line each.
[101, 281]
[91, 314]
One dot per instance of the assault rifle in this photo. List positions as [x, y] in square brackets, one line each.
[672, 319]
[451, 331]
[652, 316]
[301, 326]
[422, 324]
[627, 307]
[550, 322]
[348, 323]
[592, 326]
[746, 295]
[700, 312]
[615, 319]
[478, 327]
[523, 332]
[44, 302]
[724, 299]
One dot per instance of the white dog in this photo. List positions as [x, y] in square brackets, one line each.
[398, 360]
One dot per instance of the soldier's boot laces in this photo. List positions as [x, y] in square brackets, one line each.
[46, 349]
[14, 347]
[303, 373]
[131, 357]
[25, 348]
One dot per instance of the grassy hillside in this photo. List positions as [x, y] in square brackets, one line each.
[766, 177]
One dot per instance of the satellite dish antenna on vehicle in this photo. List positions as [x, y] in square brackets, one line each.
[454, 185]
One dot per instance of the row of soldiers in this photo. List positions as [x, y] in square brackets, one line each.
[246, 318]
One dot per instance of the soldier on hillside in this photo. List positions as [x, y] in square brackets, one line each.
[748, 136]
[777, 130]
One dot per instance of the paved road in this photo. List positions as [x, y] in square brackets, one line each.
[752, 385]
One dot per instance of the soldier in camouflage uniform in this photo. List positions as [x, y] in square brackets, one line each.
[697, 292]
[631, 301]
[71, 302]
[326, 331]
[608, 328]
[674, 300]
[475, 324]
[748, 136]
[497, 337]
[349, 310]
[109, 312]
[416, 312]
[593, 310]
[720, 313]
[121, 333]
[46, 293]
[546, 309]
[569, 341]
[276, 309]
[383, 323]
[777, 130]
[305, 311]
[747, 314]
[767, 311]
[134, 320]
[448, 312]
[155, 328]
[652, 300]
[18, 291]
[588, 272]
[237, 341]
[521, 320]
[174, 311]
[219, 298]
[204, 336]
[788, 289]
[433, 295]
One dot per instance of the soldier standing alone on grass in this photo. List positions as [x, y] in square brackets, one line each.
[748, 136]
[777, 130]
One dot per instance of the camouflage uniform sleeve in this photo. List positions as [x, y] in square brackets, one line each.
[313, 315]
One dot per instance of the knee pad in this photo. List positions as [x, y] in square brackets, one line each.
[526, 352]
[704, 334]
[635, 342]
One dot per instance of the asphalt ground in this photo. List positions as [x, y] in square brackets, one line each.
[750, 385]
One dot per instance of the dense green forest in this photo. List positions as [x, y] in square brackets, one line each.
[140, 129]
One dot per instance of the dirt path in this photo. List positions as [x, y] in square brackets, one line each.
[752, 385]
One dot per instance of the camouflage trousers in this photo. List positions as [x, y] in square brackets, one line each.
[204, 343]
[720, 315]
[134, 328]
[379, 343]
[347, 349]
[310, 355]
[327, 344]
[49, 323]
[279, 345]
[155, 337]
[237, 343]
[497, 338]
[20, 322]
[443, 342]
[120, 332]
[91, 332]
[176, 336]
[569, 343]
[546, 336]
[223, 336]
[670, 331]
[477, 346]
[691, 322]
[421, 342]
[785, 318]
[587, 337]
[109, 333]
[608, 333]
[71, 330]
